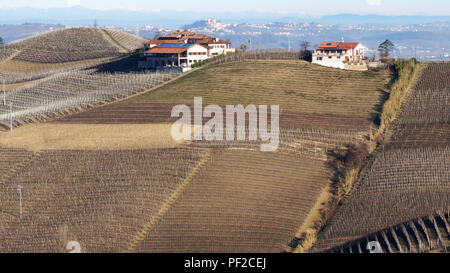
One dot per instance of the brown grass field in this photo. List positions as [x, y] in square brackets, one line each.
[44, 136]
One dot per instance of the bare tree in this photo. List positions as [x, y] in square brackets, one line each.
[305, 53]
[244, 47]
[305, 45]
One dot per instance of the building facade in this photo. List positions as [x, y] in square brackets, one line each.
[182, 50]
[340, 55]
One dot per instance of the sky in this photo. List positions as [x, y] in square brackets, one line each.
[301, 7]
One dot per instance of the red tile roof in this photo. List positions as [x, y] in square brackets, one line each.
[167, 50]
[158, 42]
[337, 45]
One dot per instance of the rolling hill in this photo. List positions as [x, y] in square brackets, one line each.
[409, 178]
[98, 165]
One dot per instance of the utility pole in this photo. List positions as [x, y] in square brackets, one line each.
[4, 93]
[250, 43]
[19, 188]
[10, 117]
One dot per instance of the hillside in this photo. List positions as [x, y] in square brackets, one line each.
[321, 109]
[409, 178]
[100, 198]
[308, 95]
[73, 44]
[227, 196]
[64, 50]
[69, 70]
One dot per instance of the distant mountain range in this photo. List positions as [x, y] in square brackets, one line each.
[80, 16]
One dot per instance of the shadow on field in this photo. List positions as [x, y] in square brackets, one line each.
[378, 108]
[125, 64]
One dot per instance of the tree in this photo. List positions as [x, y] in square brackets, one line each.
[386, 48]
[1, 40]
[305, 45]
[244, 47]
[371, 55]
[305, 53]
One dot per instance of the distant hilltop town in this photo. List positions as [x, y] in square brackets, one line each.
[182, 49]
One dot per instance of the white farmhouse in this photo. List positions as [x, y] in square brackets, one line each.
[340, 55]
[217, 46]
[174, 55]
[181, 50]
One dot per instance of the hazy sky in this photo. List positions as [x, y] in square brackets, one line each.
[392, 7]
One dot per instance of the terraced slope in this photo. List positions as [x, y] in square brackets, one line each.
[99, 198]
[244, 201]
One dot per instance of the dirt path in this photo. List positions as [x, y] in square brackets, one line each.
[10, 57]
[108, 37]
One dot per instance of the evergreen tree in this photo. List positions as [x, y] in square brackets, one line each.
[386, 48]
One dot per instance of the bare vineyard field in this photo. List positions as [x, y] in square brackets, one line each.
[6, 53]
[245, 201]
[11, 159]
[420, 135]
[63, 50]
[66, 45]
[70, 91]
[401, 185]
[16, 72]
[438, 77]
[98, 198]
[410, 177]
[425, 234]
[141, 113]
[425, 116]
[294, 85]
[427, 106]
[104, 194]
[130, 41]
